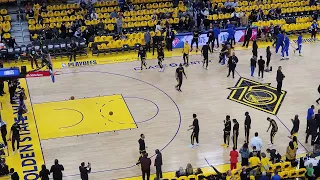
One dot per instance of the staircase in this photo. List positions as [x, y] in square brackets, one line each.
[19, 27]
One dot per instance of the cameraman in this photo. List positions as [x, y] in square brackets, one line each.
[84, 171]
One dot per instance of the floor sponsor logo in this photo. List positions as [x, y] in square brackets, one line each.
[32, 74]
[169, 65]
[79, 64]
[257, 95]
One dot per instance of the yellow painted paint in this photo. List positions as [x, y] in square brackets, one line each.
[75, 117]
[29, 160]
[128, 57]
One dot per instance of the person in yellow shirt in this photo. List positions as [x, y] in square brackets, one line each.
[265, 163]
[254, 161]
[291, 152]
[185, 52]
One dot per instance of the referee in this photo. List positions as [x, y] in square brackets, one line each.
[179, 77]
[195, 132]
[3, 129]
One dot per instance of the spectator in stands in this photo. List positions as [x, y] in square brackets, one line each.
[253, 162]
[55, 32]
[245, 173]
[234, 4]
[275, 156]
[83, 4]
[259, 15]
[14, 175]
[48, 32]
[147, 40]
[158, 27]
[78, 33]
[43, 8]
[119, 25]
[245, 153]
[310, 172]
[243, 19]
[44, 173]
[63, 30]
[11, 42]
[180, 172]
[40, 19]
[265, 163]
[114, 14]
[275, 175]
[228, 4]
[189, 169]
[56, 170]
[291, 152]
[199, 171]
[93, 15]
[264, 176]
[27, 8]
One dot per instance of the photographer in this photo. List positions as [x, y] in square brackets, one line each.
[84, 171]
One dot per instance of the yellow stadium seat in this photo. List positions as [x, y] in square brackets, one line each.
[183, 178]
[97, 39]
[6, 36]
[301, 172]
[293, 173]
[110, 27]
[284, 174]
[32, 27]
[192, 177]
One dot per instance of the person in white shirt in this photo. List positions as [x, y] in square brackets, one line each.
[311, 160]
[257, 142]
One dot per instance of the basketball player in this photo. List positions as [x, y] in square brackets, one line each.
[205, 53]
[195, 132]
[160, 57]
[299, 44]
[274, 129]
[185, 52]
[14, 133]
[226, 131]
[195, 39]
[142, 54]
[142, 147]
[235, 133]
[247, 126]
[179, 77]
[285, 48]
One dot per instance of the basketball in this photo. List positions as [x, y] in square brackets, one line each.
[110, 113]
[72, 98]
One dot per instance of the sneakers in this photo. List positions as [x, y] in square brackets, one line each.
[300, 55]
[197, 144]
[191, 146]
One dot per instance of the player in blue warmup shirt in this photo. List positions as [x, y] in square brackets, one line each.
[231, 33]
[314, 29]
[299, 43]
[280, 39]
[216, 32]
[285, 47]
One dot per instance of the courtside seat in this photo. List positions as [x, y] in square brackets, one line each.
[284, 174]
[183, 178]
[293, 173]
[192, 177]
[301, 172]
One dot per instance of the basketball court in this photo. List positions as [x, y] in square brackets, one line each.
[83, 130]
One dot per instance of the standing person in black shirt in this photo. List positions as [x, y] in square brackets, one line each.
[195, 39]
[158, 164]
[312, 130]
[160, 57]
[56, 170]
[296, 124]
[247, 37]
[279, 78]
[145, 166]
[14, 175]
[226, 131]
[261, 64]
[169, 38]
[268, 59]
[255, 48]
[210, 36]
[44, 173]
[179, 77]
[155, 40]
[195, 132]
[232, 64]
[235, 133]
[15, 129]
[13, 84]
[274, 129]
[142, 54]
[253, 64]
[205, 53]
[247, 126]
[142, 147]
[73, 52]
[84, 171]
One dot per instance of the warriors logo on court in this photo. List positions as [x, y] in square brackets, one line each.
[257, 95]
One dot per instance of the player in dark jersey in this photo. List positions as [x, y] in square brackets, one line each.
[274, 129]
[195, 39]
[247, 126]
[142, 54]
[179, 77]
[235, 133]
[160, 57]
[205, 53]
[226, 131]
[195, 132]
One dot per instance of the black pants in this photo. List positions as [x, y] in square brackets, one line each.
[4, 134]
[279, 86]
[231, 69]
[226, 137]
[205, 60]
[246, 41]
[143, 62]
[313, 136]
[154, 46]
[74, 54]
[186, 58]
[307, 128]
[158, 172]
[144, 173]
[235, 140]
[230, 40]
[272, 134]
[169, 44]
[195, 40]
[160, 58]
[211, 41]
[194, 135]
[294, 130]
[246, 133]
[313, 33]
[179, 79]
[13, 140]
[268, 61]
[148, 46]
[255, 53]
[244, 161]
[34, 61]
[12, 91]
[1, 87]
[217, 41]
[261, 70]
